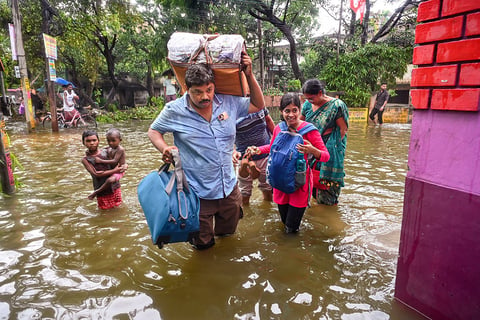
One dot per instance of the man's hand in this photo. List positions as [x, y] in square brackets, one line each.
[167, 154]
[246, 63]
[235, 157]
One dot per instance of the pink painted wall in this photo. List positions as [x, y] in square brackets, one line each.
[445, 149]
[438, 265]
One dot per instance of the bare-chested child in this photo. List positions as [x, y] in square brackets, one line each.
[115, 158]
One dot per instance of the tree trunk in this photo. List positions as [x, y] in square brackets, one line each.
[353, 22]
[293, 52]
[110, 59]
[150, 89]
[393, 20]
[366, 19]
[267, 15]
[261, 56]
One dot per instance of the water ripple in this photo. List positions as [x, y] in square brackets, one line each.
[63, 258]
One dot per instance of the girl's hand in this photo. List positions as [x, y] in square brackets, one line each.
[252, 150]
[306, 148]
[309, 148]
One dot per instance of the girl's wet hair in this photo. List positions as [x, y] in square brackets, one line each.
[113, 132]
[88, 133]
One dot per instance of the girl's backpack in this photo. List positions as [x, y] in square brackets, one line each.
[282, 161]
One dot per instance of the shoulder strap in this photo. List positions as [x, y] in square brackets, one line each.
[283, 126]
[307, 128]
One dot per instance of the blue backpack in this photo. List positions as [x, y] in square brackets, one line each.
[281, 165]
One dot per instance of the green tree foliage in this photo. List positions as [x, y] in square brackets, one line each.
[102, 24]
[358, 68]
[31, 34]
[5, 52]
[360, 72]
[101, 40]
[317, 55]
[286, 16]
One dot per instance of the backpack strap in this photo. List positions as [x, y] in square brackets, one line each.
[307, 128]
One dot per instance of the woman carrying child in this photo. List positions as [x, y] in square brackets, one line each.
[291, 206]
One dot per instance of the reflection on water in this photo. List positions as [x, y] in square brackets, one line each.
[62, 258]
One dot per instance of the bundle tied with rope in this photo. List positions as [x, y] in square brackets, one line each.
[222, 53]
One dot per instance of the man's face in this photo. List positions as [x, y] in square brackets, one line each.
[383, 86]
[202, 96]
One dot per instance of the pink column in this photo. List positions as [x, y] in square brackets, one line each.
[438, 270]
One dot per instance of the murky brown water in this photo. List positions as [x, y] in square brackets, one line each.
[61, 258]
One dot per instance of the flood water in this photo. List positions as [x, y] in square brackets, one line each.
[62, 258]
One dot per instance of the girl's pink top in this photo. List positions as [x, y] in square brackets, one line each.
[302, 195]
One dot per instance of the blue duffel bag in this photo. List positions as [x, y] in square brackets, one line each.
[170, 206]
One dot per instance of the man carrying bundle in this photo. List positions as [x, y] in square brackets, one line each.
[203, 126]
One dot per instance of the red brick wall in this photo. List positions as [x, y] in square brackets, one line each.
[447, 56]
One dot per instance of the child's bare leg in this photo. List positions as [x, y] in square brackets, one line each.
[92, 195]
[267, 196]
[108, 184]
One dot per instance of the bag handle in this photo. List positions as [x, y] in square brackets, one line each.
[179, 177]
[178, 174]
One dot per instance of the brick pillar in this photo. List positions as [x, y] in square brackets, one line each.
[438, 269]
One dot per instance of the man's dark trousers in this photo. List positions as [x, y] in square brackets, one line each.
[380, 115]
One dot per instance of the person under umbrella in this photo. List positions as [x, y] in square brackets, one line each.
[69, 97]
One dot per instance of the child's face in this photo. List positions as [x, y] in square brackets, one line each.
[113, 141]
[91, 142]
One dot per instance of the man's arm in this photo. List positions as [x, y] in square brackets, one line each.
[270, 123]
[386, 100]
[159, 142]
[257, 102]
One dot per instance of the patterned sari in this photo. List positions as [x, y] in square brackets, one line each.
[331, 172]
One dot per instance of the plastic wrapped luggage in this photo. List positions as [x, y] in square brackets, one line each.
[222, 52]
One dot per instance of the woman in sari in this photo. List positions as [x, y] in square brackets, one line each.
[330, 116]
